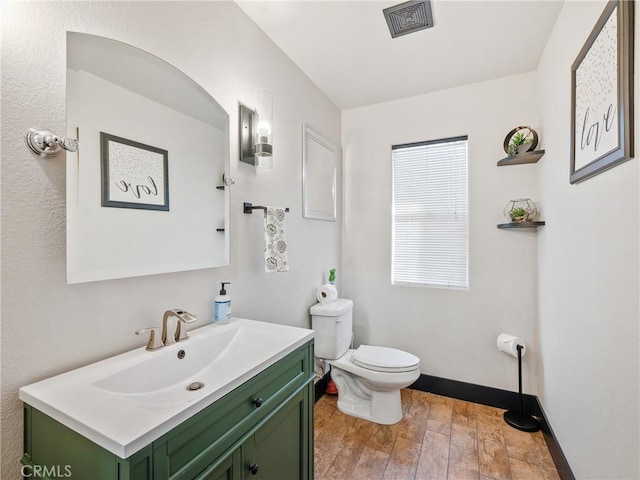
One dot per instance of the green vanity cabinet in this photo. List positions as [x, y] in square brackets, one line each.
[276, 458]
[278, 448]
[52, 450]
[229, 467]
[263, 429]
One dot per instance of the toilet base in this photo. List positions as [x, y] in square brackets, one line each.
[357, 399]
[384, 408]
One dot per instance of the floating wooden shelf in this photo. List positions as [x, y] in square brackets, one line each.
[528, 157]
[521, 225]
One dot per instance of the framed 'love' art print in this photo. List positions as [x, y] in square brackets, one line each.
[602, 95]
[134, 175]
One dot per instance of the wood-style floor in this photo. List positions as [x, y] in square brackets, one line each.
[438, 438]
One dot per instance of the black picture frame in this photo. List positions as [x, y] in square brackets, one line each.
[134, 175]
[602, 95]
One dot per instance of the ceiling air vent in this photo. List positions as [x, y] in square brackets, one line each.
[408, 17]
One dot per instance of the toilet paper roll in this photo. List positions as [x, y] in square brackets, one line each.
[508, 344]
[326, 293]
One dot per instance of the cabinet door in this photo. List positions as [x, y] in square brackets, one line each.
[279, 450]
[228, 468]
[138, 466]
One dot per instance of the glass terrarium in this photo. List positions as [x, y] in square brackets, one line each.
[520, 210]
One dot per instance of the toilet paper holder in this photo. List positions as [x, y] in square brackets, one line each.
[517, 418]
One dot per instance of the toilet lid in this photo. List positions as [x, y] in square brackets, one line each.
[384, 359]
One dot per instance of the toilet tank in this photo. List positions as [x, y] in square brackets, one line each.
[333, 324]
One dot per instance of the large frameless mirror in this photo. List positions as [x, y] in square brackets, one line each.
[145, 191]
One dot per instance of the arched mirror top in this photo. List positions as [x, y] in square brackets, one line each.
[132, 68]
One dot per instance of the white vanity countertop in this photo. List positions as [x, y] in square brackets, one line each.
[126, 402]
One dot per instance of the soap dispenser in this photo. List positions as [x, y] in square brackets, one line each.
[332, 276]
[222, 306]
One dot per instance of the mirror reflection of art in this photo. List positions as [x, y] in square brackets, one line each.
[134, 175]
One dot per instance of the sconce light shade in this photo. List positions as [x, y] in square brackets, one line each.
[264, 111]
[256, 131]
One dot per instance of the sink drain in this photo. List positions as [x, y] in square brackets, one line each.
[195, 386]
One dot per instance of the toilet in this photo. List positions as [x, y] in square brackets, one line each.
[368, 378]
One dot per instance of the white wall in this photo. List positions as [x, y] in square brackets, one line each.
[452, 331]
[588, 279]
[49, 326]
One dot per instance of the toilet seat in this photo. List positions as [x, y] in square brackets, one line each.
[384, 359]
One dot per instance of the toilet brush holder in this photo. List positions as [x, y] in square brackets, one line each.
[518, 419]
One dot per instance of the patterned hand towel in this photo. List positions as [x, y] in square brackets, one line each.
[275, 244]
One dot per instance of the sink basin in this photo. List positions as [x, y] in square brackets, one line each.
[166, 368]
[125, 402]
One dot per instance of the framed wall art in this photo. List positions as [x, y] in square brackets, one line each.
[602, 95]
[134, 175]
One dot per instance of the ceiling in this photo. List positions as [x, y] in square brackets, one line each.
[346, 49]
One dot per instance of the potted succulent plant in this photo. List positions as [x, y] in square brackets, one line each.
[518, 215]
[520, 140]
[521, 210]
[519, 143]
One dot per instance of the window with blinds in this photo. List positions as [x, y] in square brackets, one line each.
[430, 214]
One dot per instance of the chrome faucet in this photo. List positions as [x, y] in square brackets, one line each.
[180, 332]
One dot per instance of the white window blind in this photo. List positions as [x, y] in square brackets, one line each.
[430, 214]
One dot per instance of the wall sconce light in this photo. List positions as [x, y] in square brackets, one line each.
[256, 131]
